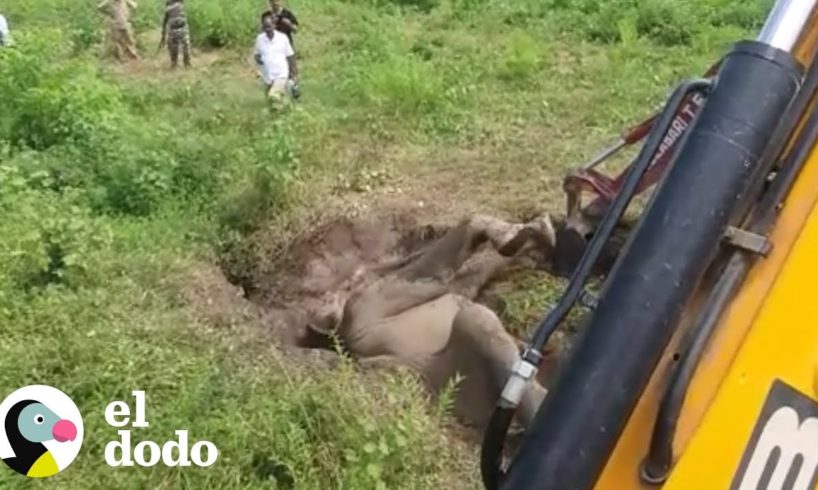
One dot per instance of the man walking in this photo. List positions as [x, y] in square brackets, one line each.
[175, 32]
[5, 36]
[275, 58]
[285, 21]
[120, 30]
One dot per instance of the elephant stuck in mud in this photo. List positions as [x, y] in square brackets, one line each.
[420, 311]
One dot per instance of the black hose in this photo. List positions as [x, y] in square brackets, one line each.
[491, 456]
[572, 436]
[657, 464]
[617, 208]
[764, 218]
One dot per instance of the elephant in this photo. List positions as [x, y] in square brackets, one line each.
[421, 312]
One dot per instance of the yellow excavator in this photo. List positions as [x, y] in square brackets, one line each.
[697, 364]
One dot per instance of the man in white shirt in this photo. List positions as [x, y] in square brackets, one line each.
[276, 61]
[5, 37]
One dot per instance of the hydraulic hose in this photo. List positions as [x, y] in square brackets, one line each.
[659, 460]
[497, 430]
[491, 456]
[618, 207]
[575, 430]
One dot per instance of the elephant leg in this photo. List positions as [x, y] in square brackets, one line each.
[388, 297]
[386, 361]
[539, 231]
[483, 353]
[447, 254]
[498, 231]
[477, 273]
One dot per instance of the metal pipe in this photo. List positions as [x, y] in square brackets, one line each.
[659, 460]
[575, 430]
[657, 464]
[785, 23]
[605, 154]
[526, 368]
[612, 218]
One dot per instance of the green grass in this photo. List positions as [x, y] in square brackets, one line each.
[120, 187]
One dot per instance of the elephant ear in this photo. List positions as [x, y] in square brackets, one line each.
[319, 327]
[323, 322]
[316, 337]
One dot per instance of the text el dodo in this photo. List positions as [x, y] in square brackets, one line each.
[148, 453]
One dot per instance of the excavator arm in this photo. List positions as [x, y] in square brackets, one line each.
[697, 368]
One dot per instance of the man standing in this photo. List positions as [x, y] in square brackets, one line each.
[5, 36]
[120, 29]
[275, 58]
[285, 20]
[178, 37]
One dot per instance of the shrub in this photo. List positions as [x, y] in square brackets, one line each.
[215, 23]
[420, 5]
[403, 86]
[523, 57]
[45, 238]
[275, 166]
[80, 21]
[136, 184]
[53, 99]
[598, 20]
[747, 15]
[667, 22]
[468, 7]
[67, 120]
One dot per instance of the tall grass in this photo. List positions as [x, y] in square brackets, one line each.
[116, 192]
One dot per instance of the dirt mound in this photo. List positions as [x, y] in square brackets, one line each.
[304, 278]
[307, 280]
[294, 282]
[329, 256]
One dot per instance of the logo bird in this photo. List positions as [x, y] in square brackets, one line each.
[28, 425]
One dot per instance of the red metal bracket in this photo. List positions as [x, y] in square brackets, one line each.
[588, 180]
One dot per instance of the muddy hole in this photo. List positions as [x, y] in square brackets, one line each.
[390, 289]
[299, 280]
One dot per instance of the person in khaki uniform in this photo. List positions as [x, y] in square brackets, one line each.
[175, 32]
[121, 39]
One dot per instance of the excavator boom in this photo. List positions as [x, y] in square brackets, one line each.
[698, 366]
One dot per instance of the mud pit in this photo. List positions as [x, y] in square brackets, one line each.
[327, 259]
[307, 294]
[310, 282]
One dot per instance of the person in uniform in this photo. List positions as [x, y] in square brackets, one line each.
[120, 31]
[5, 35]
[175, 32]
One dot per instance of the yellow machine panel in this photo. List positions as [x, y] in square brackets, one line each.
[776, 362]
[762, 429]
[698, 368]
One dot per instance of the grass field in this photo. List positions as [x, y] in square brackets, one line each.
[124, 188]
